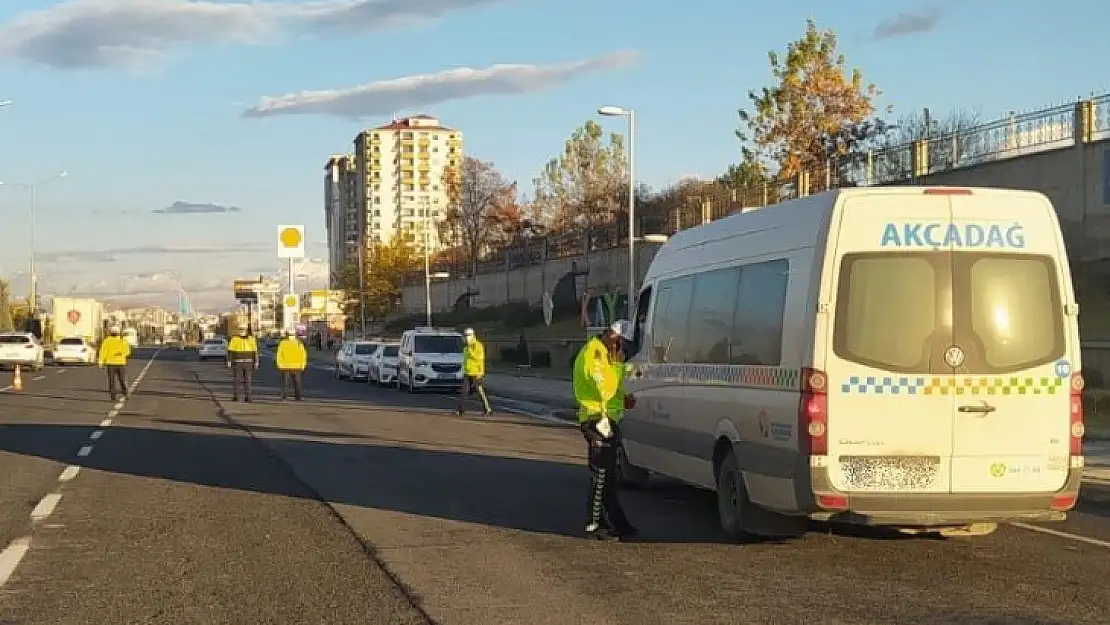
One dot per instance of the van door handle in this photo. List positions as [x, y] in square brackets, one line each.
[983, 409]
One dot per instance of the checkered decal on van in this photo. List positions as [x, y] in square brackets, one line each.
[745, 376]
[951, 385]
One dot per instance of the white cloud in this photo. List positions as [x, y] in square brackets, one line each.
[412, 92]
[138, 34]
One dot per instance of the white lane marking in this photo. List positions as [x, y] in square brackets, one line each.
[6, 388]
[70, 472]
[41, 377]
[84, 451]
[106, 422]
[96, 435]
[61, 371]
[45, 507]
[11, 556]
[118, 406]
[113, 413]
[1076, 537]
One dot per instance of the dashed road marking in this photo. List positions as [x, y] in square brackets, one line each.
[6, 388]
[45, 507]
[11, 556]
[96, 435]
[69, 473]
[106, 422]
[41, 377]
[61, 371]
[1076, 537]
[84, 451]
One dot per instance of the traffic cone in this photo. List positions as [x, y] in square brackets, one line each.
[17, 383]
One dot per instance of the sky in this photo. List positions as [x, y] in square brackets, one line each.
[189, 130]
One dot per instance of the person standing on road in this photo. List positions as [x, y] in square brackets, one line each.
[291, 359]
[114, 352]
[242, 359]
[597, 384]
[474, 371]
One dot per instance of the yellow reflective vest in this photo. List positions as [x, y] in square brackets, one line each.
[291, 355]
[474, 358]
[595, 381]
[114, 352]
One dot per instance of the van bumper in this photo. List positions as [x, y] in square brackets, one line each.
[939, 509]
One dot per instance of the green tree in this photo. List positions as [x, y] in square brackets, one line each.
[586, 182]
[816, 108]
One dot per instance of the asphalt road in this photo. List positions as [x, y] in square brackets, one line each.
[192, 509]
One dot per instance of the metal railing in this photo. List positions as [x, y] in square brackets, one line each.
[1009, 137]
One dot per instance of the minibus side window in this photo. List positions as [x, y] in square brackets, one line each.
[639, 324]
[670, 321]
[711, 315]
[757, 323]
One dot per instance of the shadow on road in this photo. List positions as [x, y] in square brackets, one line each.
[541, 496]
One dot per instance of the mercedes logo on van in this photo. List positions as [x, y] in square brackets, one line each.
[954, 356]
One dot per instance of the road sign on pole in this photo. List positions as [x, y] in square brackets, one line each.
[290, 242]
[290, 311]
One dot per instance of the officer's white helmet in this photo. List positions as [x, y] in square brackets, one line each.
[622, 328]
[468, 332]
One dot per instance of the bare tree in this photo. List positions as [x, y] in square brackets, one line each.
[477, 193]
[952, 139]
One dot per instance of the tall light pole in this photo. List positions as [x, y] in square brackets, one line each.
[426, 207]
[616, 111]
[33, 189]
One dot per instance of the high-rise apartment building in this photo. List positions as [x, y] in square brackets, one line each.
[395, 183]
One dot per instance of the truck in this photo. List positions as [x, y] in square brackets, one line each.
[77, 316]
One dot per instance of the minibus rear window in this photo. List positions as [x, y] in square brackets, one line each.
[900, 312]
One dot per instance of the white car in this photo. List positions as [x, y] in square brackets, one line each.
[430, 358]
[383, 365]
[74, 350]
[23, 349]
[212, 348]
[352, 361]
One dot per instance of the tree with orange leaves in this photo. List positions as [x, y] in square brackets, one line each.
[477, 193]
[817, 109]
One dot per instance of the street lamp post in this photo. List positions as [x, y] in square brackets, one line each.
[33, 189]
[616, 111]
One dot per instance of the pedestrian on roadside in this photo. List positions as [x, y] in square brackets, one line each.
[597, 384]
[242, 359]
[474, 373]
[112, 357]
[291, 359]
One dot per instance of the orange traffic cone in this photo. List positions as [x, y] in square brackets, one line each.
[17, 382]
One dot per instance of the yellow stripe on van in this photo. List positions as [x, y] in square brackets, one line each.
[743, 376]
[951, 385]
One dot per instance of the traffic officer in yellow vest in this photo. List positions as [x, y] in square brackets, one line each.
[112, 357]
[474, 371]
[291, 359]
[597, 385]
[242, 359]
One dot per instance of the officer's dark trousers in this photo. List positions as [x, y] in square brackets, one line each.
[243, 376]
[473, 383]
[603, 506]
[291, 380]
[117, 380]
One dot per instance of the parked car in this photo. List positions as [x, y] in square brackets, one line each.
[383, 365]
[430, 358]
[212, 348]
[23, 349]
[74, 350]
[352, 361]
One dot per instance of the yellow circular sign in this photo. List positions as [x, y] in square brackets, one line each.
[998, 469]
[290, 237]
[291, 300]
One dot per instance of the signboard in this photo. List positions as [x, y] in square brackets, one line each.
[246, 290]
[290, 241]
[73, 316]
[290, 310]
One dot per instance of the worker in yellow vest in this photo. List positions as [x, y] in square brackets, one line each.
[112, 357]
[242, 359]
[291, 359]
[474, 372]
[597, 384]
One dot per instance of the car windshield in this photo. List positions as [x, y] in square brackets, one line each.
[71, 341]
[365, 349]
[439, 344]
[391, 351]
[13, 339]
[213, 342]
